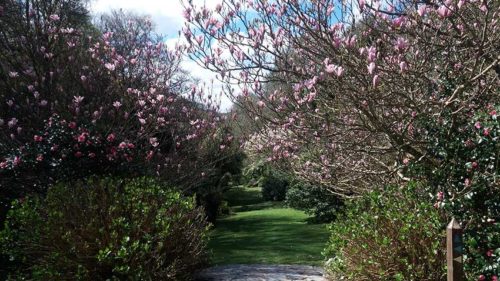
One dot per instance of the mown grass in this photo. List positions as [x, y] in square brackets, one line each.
[265, 232]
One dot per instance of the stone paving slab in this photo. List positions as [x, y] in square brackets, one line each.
[262, 272]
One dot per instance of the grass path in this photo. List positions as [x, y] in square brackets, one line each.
[265, 232]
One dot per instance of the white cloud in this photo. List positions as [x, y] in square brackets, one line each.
[167, 15]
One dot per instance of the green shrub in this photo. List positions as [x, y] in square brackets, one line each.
[106, 229]
[466, 180]
[274, 187]
[314, 200]
[388, 235]
[224, 209]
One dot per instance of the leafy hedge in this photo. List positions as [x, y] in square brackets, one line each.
[274, 187]
[388, 235]
[105, 229]
[314, 200]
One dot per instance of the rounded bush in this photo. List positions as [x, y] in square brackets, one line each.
[388, 235]
[106, 229]
[314, 200]
[274, 187]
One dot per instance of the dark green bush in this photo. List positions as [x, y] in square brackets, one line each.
[274, 187]
[389, 235]
[106, 229]
[314, 200]
[466, 180]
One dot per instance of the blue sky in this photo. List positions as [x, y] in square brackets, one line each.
[167, 15]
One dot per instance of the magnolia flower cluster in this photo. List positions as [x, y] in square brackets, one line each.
[354, 74]
[119, 97]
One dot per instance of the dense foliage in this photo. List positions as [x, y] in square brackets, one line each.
[314, 200]
[354, 95]
[466, 182]
[388, 235]
[274, 186]
[105, 229]
[79, 99]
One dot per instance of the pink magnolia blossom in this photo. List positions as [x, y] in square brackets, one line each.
[150, 155]
[486, 132]
[399, 21]
[199, 39]
[372, 54]
[82, 137]
[111, 137]
[153, 142]
[422, 10]
[371, 67]
[54, 17]
[110, 66]
[403, 66]
[467, 182]
[401, 44]
[330, 68]
[440, 196]
[375, 81]
[78, 99]
[12, 122]
[17, 160]
[339, 71]
[444, 12]
[361, 4]
[122, 145]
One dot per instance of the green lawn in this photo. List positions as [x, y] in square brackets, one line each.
[265, 232]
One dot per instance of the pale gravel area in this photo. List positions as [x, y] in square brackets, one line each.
[262, 272]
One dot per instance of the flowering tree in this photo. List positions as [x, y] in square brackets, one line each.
[354, 94]
[78, 100]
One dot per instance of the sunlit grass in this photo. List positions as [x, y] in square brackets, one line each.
[265, 232]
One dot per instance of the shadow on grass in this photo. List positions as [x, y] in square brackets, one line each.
[243, 196]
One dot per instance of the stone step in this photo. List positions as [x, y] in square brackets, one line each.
[262, 272]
